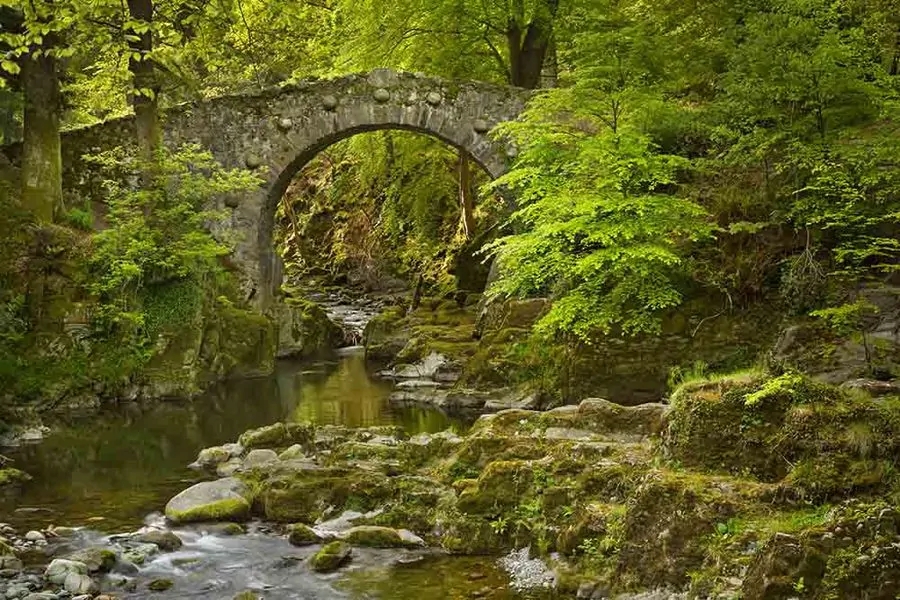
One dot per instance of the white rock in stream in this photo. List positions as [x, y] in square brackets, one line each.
[60, 568]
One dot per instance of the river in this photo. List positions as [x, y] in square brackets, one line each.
[113, 472]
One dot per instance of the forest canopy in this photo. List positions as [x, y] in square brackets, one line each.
[744, 150]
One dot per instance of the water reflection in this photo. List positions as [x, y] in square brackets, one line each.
[123, 463]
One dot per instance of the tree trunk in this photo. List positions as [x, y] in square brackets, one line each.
[146, 89]
[41, 155]
[466, 199]
[528, 52]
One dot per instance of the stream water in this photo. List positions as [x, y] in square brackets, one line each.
[113, 472]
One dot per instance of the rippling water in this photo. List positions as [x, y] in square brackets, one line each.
[108, 471]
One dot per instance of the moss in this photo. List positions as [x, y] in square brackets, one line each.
[373, 536]
[331, 557]
[160, 585]
[11, 476]
[221, 510]
[306, 330]
[246, 343]
[384, 336]
[306, 495]
[302, 535]
[269, 436]
[820, 439]
[499, 488]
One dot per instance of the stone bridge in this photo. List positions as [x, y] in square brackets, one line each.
[277, 132]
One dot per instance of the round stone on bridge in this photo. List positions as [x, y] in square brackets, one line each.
[253, 161]
[381, 95]
[481, 126]
[329, 102]
[285, 124]
[433, 98]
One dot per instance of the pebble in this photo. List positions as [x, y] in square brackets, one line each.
[35, 536]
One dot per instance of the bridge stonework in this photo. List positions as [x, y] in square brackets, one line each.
[277, 132]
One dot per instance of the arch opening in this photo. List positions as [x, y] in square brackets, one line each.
[271, 266]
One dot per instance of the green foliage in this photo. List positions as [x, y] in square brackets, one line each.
[599, 232]
[783, 385]
[846, 318]
[376, 205]
[159, 232]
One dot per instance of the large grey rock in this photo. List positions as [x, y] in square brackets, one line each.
[95, 559]
[526, 400]
[210, 458]
[60, 568]
[424, 369]
[259, 458]
[77, 583]
[226, 499]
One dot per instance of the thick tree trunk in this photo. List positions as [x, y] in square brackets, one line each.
[41, 156]
[146, 89]
[528, 49]
[466, 195]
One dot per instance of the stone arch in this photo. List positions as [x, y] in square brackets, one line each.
[275, 132]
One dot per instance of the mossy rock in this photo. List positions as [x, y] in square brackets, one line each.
[373, 536]
[165, 540]
[822, 440]
[240, 343]
[331, 557]
[386, 335]
[668, 520]
[303, 535]
[11, 476]
[304, 329]
[160, 585]
[95, 559]
[500, 487]
[223, 500]
[305, 495]
[278, 435]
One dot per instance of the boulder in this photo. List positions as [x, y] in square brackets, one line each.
[293, 452]
[304, 329]
[258, 458]
[331, 557]
[525, 400]
[165, 540]
[229, 467]
[424, 369]
[160, 585]
[210, 458]
[78, 583]
[60, 568]
[95, 559]
[222, 500]
[372, 536]
[264, 437]
[303, 535]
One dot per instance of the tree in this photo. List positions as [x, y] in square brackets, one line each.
[145, 89]
[33, 54]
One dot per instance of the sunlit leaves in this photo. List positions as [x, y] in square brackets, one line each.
[598, 230]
